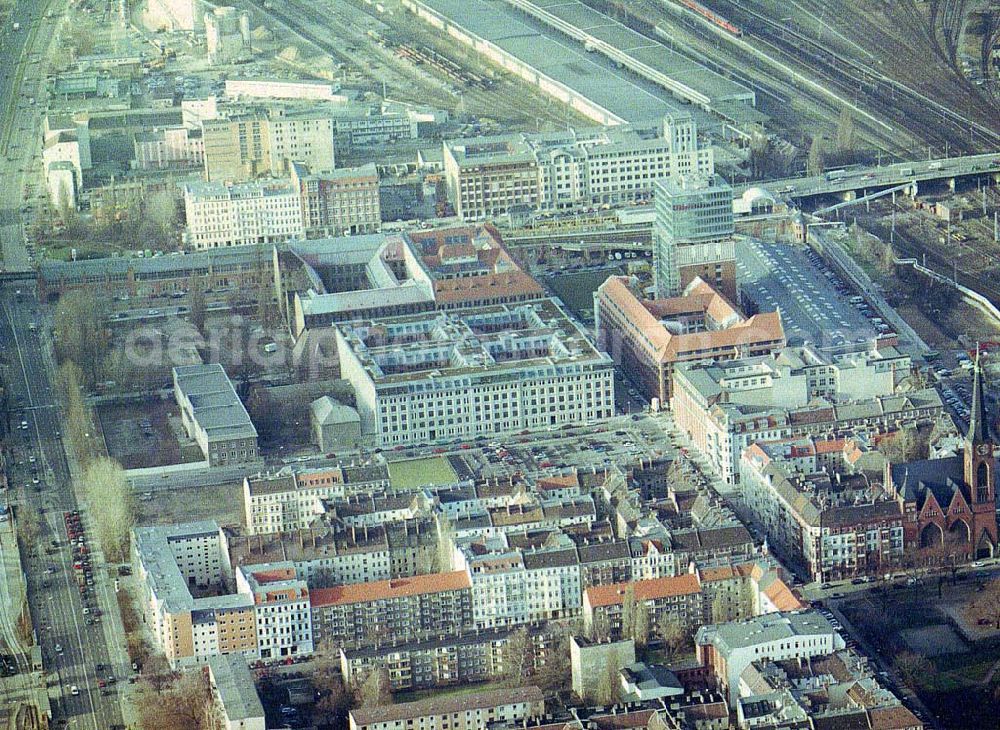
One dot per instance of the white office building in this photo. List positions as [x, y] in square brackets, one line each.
[443, 376]
[219, 214]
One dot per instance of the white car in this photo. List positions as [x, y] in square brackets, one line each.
[74, 690]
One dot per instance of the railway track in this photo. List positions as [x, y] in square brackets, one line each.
[935, 123]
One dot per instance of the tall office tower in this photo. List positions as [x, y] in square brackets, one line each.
[693, 234]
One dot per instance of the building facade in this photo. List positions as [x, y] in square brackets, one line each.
[565, 170]
[692, 234]
[497, 708]
[648, 338]
[478, 371]
[266, 143]
[398, 610]
[214, 416]
[340, 202]
[261, 212]
[836, 524]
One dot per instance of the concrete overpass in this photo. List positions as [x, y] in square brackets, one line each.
[847, 182]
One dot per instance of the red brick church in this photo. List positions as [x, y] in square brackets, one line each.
[949, 504]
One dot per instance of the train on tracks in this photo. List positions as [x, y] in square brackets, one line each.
[713, 17]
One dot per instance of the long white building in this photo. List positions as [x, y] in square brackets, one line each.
[488, 176]
[443, 376]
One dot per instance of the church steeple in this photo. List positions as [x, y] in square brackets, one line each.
[979, 426]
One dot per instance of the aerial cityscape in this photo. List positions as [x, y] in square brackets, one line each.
[499, 364]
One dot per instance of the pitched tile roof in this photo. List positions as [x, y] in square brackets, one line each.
[387, 589]
[645, 590]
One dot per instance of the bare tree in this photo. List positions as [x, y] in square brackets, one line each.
[28, 525]
[817, 157]
[608, 683]
[641, 624]
[628, 612]
[516, 658]
[676, 636]
[845, 131]
[376, 689]
[554, 674]
[81, 334]
[160, 219]
[198, 312]
[184, 704]
[113, 503]
[987, 604]
[914, 668]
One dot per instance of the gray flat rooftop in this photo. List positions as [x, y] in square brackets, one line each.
[217, 408]
[235, 685]
[656, 55]
[780, 276]
[560, 58]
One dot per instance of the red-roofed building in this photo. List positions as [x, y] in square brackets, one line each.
[647, 338]
[402, 609]
[677, 597]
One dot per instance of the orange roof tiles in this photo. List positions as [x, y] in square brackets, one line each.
[645, 590]
[474, 288]
[700, 299]
[387, 589]
[898, 717]
[782, 597]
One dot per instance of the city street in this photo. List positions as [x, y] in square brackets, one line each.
[57, 605]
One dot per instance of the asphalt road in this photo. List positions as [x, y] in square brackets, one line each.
[57, 604]
[21, 80]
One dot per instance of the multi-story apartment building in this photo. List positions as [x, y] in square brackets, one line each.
[477, 371]
[563, 170]
[333, 554]
[692, 234]
[402, 609]
[514, 585]
[214, 416]
[238, 214]
[167, 560]
[281, 602]
[489, 176]
[266, 142]
[292, 499]
[834, 523]
[479, 711]
[648, 338]
[679, 598]
[339, 202]
[476, 656]
[170, 147]
[728, 649]
[726, 406]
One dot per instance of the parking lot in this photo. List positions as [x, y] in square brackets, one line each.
[141, 435]
[816, 306]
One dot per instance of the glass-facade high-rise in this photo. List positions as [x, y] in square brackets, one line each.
[690, 210]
